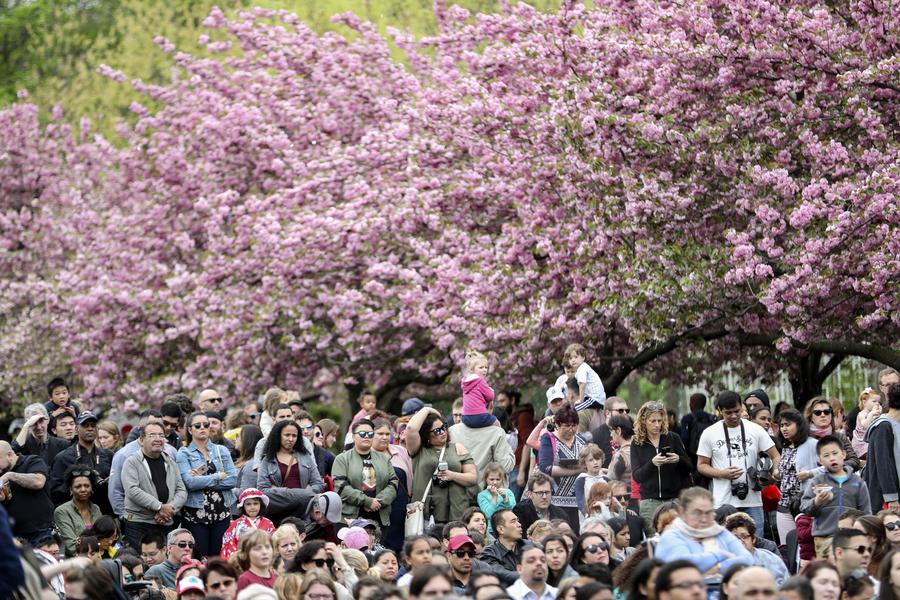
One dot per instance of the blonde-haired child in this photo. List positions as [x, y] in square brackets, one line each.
[869, 409]
[591, 460]
[590, 388]
[478, 397]
[496, 494]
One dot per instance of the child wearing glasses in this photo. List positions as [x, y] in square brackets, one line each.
[830, 493]
[252, 504]
[478, 396]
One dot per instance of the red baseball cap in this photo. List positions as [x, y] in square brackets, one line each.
[458, 541]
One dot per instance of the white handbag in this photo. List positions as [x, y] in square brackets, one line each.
[415, 511]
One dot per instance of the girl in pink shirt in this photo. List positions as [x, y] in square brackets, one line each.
[478, 397]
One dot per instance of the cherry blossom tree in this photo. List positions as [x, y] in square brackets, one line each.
[676, 186]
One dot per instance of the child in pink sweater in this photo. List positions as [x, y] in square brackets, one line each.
[478, 397]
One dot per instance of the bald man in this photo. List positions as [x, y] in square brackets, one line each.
[755, 583]
[210, 399]
[25, 494]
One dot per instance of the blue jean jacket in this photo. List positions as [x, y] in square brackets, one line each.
[191, 458]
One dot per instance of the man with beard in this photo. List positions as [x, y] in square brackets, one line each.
[85, 451]
[532, 583]
[538, 506]
[460, 554]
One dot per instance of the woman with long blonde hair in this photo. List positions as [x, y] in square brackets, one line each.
[658, 460]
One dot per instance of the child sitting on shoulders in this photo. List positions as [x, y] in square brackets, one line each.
[478, 397]
[251, 504]
[496, 494]
[590, 388]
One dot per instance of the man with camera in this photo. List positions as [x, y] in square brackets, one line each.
[738, 456]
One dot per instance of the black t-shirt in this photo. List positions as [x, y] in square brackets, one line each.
[30, 510]
[158, 475]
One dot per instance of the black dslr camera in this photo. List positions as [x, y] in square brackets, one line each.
[740, 490]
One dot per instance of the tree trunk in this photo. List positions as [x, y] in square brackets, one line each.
[808, 375]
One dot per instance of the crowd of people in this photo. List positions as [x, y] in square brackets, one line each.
[209, 498]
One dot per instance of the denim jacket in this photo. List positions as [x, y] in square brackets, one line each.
[191, 458]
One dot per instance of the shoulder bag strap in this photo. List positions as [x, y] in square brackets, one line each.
[430, 481]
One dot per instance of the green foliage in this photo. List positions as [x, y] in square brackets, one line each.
[52, 48]
[43, 41]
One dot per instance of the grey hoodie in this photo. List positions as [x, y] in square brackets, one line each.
[853, 493]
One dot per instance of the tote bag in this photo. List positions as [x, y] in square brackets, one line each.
[415, 511]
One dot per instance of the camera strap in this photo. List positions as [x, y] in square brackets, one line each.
[728, 443]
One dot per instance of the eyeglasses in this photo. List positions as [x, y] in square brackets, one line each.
[686, 585]
[216, 400]
[366, 435]
[594, 548]
[200, 425]
[462, 552]
[439, 430]
[457, 415]
[541, 494]
[221, 584]
[892, 525]
[824, 411]
[184, 545]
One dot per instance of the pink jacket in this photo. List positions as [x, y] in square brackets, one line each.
[477, 396]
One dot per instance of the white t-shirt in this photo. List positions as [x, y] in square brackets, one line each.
[593, 387]
[712, 446]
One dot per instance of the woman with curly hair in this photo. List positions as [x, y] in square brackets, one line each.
[288, 474]
[658, 459]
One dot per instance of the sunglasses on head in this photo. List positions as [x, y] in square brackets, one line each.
[820, 412]
[184, 545]
[439, 430]
[464, 552]
[307, 427]
[366, 435]
[594, 548]
[85, 473]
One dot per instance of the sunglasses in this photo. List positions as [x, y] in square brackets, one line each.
[892, 525]
[184, 545]
[594, 548]
[200, 425]
[860, 549]
[366, 435]
[170, 424]
[622, 497]
[439, 430]
[320, 562]
[318, 434]
[622, 411]
[221, 584]
[307, 427]
[216, 400]
[819, 413]
[462, 552]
